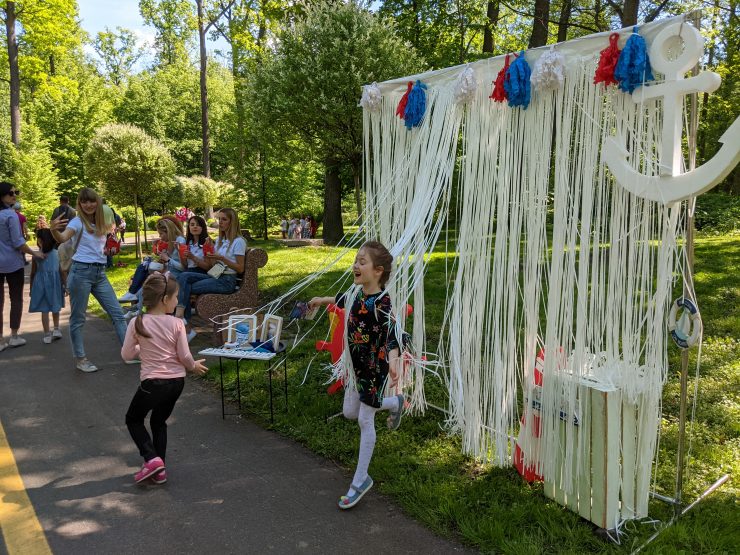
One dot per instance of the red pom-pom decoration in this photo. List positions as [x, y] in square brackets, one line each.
[404, 100]
[607, 62]
[499, 93]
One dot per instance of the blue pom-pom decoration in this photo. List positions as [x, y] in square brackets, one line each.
[416, 106]
[517, 82]
[633, 66]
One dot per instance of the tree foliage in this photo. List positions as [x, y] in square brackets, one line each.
[130, 166]
[118, 53]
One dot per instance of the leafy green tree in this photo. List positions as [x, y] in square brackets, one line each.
[175, 24]
[165, 103]
[67, 111]
[203, 193]
[313, 82]
[118, 53]
[38, 36]
[32, 170]
[130, 167]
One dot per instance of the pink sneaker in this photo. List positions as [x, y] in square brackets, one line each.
[159, 477]
[148, 468]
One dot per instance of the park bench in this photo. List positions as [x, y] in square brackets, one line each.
[212, 305]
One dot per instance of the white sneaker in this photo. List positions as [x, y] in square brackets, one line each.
[47, 338]
[85, 365]
[191, 335]
[130, 315]
[3, 345]
[128, 297]
[16, 341]
[56, 334]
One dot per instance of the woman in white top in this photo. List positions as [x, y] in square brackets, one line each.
[197, 236]
[231, 250]
[87, 275]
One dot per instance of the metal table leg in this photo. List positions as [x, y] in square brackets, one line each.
[221, 372]
[238, 387]
[269, 374]
[285, 380]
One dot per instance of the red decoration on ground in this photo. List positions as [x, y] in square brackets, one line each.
[607, 62]
[499, 93]
[401, 109]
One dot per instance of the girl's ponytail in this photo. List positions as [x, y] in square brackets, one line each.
[156, 287]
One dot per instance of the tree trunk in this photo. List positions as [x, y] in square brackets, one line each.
[239, 104]
[333, 228]
[564, 20]
[539, 27]
[492, 15]
[15, 79]
[629, 12]
[357, 177]
[137, 231]
[205, 130]
[143, 217]
[264, 191]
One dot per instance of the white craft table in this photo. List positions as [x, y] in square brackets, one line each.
[254, 355]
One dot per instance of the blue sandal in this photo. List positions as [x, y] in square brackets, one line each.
[346, 502]
[394, 420]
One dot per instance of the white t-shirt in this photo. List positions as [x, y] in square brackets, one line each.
[225, 249]
[90, 249]
[195, 250]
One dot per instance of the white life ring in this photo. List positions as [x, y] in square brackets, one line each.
[690, 319]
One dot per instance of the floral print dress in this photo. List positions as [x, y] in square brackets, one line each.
[371, 335]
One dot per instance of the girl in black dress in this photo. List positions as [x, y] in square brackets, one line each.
[374, 351]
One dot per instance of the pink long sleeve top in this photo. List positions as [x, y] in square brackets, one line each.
[165, 354]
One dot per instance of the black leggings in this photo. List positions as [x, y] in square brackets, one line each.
[15, 287]
[158, 396]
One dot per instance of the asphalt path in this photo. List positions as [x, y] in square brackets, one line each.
[233, 487]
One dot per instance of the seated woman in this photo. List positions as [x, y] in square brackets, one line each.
[197, 236]
[170, 234]
[230, 252]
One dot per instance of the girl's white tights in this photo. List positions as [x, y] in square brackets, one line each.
[354, 409]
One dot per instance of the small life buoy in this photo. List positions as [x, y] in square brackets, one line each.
[690, 320]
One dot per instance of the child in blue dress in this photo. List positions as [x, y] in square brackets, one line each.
[47, 294]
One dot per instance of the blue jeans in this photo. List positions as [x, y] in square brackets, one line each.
[194, 283]
[140, 275]
[84, 279]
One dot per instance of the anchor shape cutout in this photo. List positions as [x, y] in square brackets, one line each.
[672, 186]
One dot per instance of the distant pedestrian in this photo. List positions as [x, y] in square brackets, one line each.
[314, 227]
[47, 293]
[291, 228]
[41, 223]
[65, 210]
[158, 340]
[12, 247]
[122, 229]
[303, 234]
[284, 227]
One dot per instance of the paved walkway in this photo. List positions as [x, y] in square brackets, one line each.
[233, 487]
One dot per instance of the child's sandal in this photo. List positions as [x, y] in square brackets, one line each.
[347, 502]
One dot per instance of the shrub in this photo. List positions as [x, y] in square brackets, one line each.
[717, 213]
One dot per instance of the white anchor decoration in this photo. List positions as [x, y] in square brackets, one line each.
[672, 186]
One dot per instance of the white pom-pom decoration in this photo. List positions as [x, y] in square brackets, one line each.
[549, 71]
[371, 97]
[466, 86]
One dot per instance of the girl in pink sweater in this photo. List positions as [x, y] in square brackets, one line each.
[160, 342]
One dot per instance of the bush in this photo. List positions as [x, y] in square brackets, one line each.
[717, 213]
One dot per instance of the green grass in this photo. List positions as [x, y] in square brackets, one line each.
[492, 509]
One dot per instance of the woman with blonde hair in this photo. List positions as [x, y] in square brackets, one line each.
[170, 234]
[225, 265]
[87, 274]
